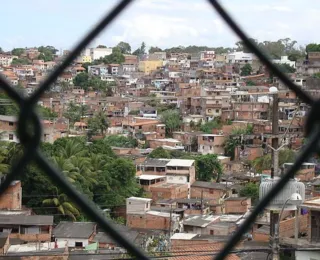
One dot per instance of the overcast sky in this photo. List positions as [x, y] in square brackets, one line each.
[161, 23]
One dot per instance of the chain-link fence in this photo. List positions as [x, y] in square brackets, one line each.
[28, 119]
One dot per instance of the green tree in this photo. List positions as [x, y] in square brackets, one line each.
[120, 176]
[313, 47]
[210, 125]
[81, 80]
[92, 168]
[47, 53]
[98, 123]
[134, 112]
[63, 206]
[20, 61]
[265, 162]
[230, 144]
[75, 112]
[71, 148]
[8, 107]
[208, 167]
[159, 152]
[242, 47]
[140, 51]
[64, 86]
[250, 190]
[286, 68]
[124, 47]
[120, 141]
[154, 49]
[250, 83]
[115, 57]
[101, 46]
[46, 112]
[17, 51]
[246, 70]
[4, 163]
[172, 120]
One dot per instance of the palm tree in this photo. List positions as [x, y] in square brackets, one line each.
[82, 169]
[99, 122]
[63, 206]
[71, 149]
[66, 167]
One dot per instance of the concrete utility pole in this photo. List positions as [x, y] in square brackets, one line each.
[274, 215]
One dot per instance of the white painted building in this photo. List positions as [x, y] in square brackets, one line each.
[136, 205]
[285, 60]
[74, 234]
[97, 53]
[239, 57]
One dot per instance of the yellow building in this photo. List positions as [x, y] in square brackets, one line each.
[86, 59]
[148, 66]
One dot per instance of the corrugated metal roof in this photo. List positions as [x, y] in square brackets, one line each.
[33, 220]
[74, 229]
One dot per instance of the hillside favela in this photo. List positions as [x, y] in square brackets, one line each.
[172, 139]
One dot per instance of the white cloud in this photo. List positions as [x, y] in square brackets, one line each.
[271, 7]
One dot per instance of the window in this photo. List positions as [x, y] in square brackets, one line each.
[10, 123]
[210, 147]
[211, 191]
[10, 136]
[217, 110]
[211, 232]
[78, 244]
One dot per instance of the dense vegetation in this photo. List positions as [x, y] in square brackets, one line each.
[93, 169]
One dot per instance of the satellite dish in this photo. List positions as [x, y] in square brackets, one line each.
[273, 90]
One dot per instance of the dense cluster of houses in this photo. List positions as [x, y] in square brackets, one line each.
[179, 212]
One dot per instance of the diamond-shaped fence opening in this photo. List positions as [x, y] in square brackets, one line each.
[31, 142]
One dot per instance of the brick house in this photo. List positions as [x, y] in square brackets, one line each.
[211, 144]
[148, 181]
[237, 205]
[261, 227]
[208, 190]
[193, 206]
[166, 143]
[33, 228]
[169, 191]
[11, 199]
[153, 166]
[306, 172]
[248, 152]
[140, 125]
[139, 215]
[250, 110]
[221, 228]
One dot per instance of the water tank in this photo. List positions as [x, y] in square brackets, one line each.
[293, 186]
[273, 90]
